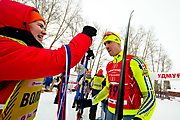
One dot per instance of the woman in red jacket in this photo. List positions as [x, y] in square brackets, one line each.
[24, 62]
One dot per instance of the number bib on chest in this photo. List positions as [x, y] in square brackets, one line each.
[113, 72]
[113, 91]
[22, 103]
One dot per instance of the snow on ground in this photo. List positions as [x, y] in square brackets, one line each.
[165, 109]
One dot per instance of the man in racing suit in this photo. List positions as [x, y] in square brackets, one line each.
[138, 84]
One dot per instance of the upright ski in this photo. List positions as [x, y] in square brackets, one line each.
[61, 114]
[120, 97]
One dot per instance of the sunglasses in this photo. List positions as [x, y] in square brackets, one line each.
[110, 33]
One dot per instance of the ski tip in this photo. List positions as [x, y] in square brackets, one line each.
[132, 12]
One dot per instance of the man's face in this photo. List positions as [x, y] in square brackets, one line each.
[113, 48]
[37, 29]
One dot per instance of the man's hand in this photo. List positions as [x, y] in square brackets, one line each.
[90, 54]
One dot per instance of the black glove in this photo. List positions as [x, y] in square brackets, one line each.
[136, 118]
[44, 83]
[90, 54]
[55, 86]
[85, 103]
[86, 81]
[89, 31]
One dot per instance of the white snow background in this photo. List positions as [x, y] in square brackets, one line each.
[165, 109]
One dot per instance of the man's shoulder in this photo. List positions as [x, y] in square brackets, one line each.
[129, 56]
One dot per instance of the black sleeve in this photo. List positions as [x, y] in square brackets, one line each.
[104, 82]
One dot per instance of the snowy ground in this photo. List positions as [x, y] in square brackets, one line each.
[165, 109]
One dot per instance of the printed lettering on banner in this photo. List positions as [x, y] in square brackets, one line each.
[169, 76]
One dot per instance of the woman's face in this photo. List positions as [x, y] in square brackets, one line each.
[37, 29]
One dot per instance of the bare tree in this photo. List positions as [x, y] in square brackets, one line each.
[159, 57]
[153, 51]
[136, 38]
[100, 57]
[165, 63]
[161, 60]
[96, 54]
[143, 43]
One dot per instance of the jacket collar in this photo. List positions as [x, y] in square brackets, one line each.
[118, 57]
[23, 35]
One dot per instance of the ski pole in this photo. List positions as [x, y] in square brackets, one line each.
[82, 91]
[78, 87]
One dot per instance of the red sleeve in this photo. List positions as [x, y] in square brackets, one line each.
[18, 62]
